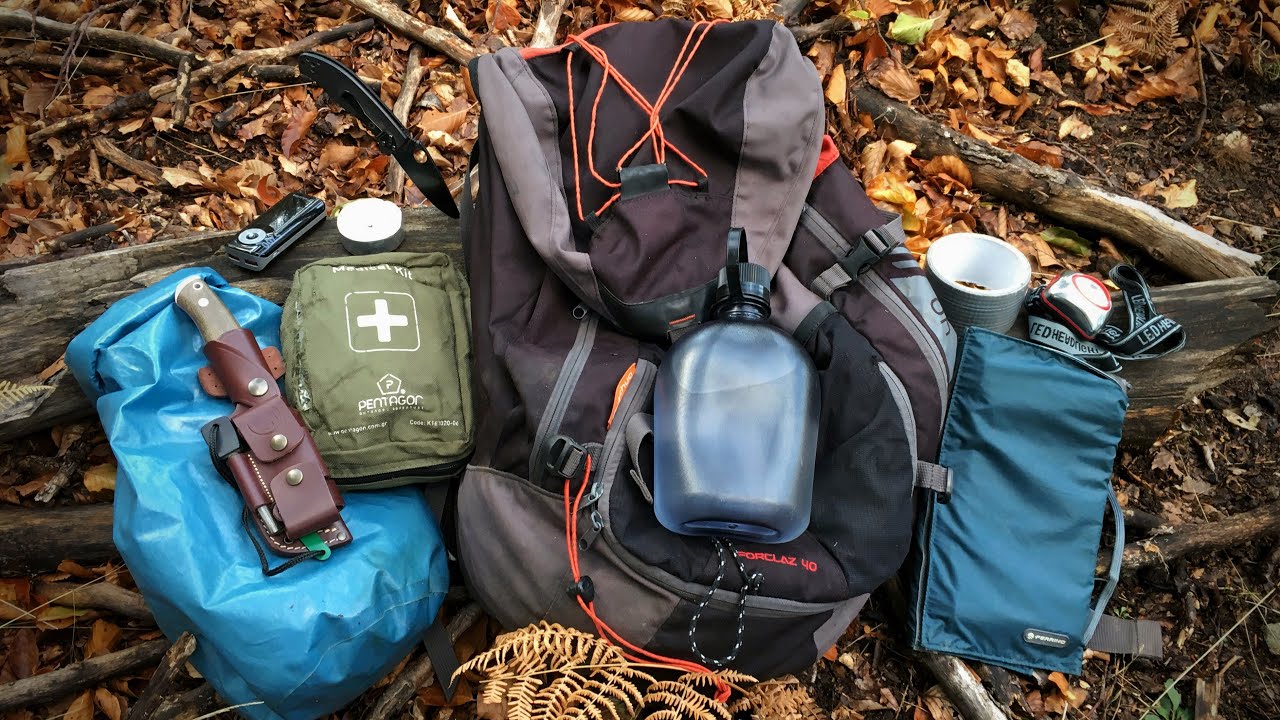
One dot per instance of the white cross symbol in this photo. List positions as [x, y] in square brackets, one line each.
[383, 320]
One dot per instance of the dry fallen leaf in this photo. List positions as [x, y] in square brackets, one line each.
[501, 15]
[940, 707]
[444, 122]
[1018, 24]
[1003, 95]
[837, 88]
[1075, 127]
[102, 639]
[15, 146]
[337, 155]
[99, 97]
[1179, 80]
[299, 124]
[1180, 195]
[110, 705]
[719, 9]
[177, 177]
[1040, 153]
[951, 166]
[1165, 460]
[893, 79]
[100, 477]
[81, 708]
[1018, 72]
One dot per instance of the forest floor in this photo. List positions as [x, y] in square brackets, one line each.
[1176, 103]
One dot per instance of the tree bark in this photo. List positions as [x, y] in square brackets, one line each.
[53, 63]
[1065, 195]
[419, 672]
[438, 39]
[102, 595]
[163, 678]
[40, 689]
[189, 705]
[102, 38]
[37, 539]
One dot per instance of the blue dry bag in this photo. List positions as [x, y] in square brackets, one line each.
[1003, 569]
[297, 645]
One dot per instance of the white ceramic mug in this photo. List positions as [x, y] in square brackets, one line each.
[979, 279]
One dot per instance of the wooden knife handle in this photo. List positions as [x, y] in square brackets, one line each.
[201, 303]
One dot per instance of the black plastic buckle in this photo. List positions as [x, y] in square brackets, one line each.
[584, 589]
[565, 456]
[865, 255]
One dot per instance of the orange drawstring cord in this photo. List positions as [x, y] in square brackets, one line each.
[608, 634]
[655, 131]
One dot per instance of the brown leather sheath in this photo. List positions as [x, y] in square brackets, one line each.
[282, 467]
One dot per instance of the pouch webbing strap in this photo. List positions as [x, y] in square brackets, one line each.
[639, 429]
[444, 661]
[934, 477]
[1122, 636]
[868, 249]
[809, 325]
[1150, 334]
[1113, 573]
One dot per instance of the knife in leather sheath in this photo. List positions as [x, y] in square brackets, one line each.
[345, 88]
[263, 446]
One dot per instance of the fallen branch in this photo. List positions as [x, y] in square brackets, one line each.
[805, 33]
[175, 659]
[198, 702]
[437, 39]
[418, 672]
[76, 447]
[112, 152]
[963, 688]
[1206, 537]
[101, 38]
[78, 237]
[544, 31]
[215, 71]
[100, 595]
[789, 10]
[53, 63]
[40, 689]
[1065, 195]
[413, 74]
[182, 105]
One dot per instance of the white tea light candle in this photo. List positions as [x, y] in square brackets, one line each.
[370, 225]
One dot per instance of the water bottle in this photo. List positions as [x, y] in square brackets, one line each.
[735, 419]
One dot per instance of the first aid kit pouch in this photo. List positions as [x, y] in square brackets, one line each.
[295, 646]
[1003, 568]
[378, 349]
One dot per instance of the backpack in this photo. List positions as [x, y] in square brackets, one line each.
[609, 171]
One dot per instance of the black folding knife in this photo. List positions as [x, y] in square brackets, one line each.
[345, 88]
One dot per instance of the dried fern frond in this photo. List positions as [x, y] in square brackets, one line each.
[1148, 28]
[782, 699]
[15, 398]
[549, 672]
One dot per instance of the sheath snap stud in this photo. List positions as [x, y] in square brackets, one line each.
[293, 477]
[257, 388]
[279, 442]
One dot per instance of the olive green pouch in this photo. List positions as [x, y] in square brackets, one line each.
[378, 351]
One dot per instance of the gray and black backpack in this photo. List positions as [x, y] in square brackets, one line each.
[609, 171]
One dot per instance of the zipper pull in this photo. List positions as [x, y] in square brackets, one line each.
[580, 312]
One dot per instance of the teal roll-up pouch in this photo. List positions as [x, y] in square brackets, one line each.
[1003, 570]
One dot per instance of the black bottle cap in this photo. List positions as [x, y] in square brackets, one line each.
[743, 285]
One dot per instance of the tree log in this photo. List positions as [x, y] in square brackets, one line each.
[40, 689]
[102, 38]
[42, 318]
[102, 595]
[49, 303]
[419, 672]
[1065, 195]
[438, 39]
[163, 678]
[1205, 537]
[36, 540]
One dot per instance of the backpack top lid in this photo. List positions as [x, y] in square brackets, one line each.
[630, 151]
